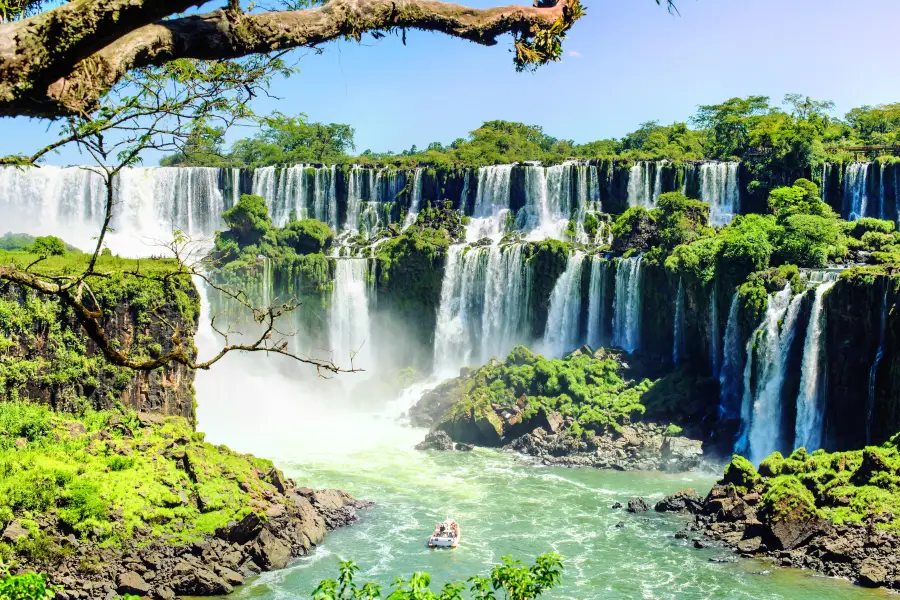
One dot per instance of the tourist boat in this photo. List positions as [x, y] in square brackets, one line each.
[446, 535]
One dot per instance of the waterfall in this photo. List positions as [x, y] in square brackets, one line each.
[563, 320]
[149, 203]
[873, 371]
[349, 329]
[719, 188]
[640, 190]
[310, 192]
[761, 407]
[491, 203]
[354, 198]
[597, 319]
[554, 196]
[415, 199]
[732, 358]
[483, 309]
[881, 191]
[715, 346]
[678, 333]
[808, 427]
[628, 304]
[856, 197]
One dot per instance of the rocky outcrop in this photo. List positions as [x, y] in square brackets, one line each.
[66, 369]
[642, 446]
[440, 440]
[774, 514]
[289, 526]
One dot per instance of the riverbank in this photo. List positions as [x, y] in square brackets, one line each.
[136, 503]
[832, 513]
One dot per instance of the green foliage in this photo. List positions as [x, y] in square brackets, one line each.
[635, 229]
[27, 586]
[860, 227]
[801, 198]
[248, 219]
[680, 220]
[293, 140]
[307, 236]
[514, 579]
[809, 240]
[48, 245]
[741, 474]
[593, 391]
[159, 481]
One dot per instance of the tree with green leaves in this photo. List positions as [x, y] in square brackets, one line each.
[510, 580]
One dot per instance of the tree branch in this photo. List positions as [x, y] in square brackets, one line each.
[45, 83]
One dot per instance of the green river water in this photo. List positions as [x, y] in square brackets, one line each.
[504, 503]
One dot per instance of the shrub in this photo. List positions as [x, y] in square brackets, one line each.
[248, 219]
[861, 226]
[307, 236]
[48, 245]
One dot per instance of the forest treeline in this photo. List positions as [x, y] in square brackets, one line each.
[788, 137]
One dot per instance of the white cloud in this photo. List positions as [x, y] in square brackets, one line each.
[574, 53]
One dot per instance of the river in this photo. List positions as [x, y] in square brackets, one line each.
[504, 503]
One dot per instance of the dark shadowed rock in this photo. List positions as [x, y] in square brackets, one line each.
[269, 552]
[244, 530]
[638, 505]
[872, 573]
[682, 501]
[132, 583]
[437, 440]
[198, 581]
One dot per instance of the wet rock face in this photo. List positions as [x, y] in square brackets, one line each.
[294, 523]
[863, 552]
[642, 446]
[440, 440]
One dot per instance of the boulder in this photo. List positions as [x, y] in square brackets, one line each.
[198, 581]
[681, 501]
[637, 505]
[437, 440]
[872, 573]
[750, 545]
[269, 552]
[681, 454]
[230, 577]
[243, 531]
[132, 583]
[13, 532]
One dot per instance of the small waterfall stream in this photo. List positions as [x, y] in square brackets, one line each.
[873, 371]
[808, 428]
[597, 317]
[730, 376]
[562, 330]
[719, 188]
[678, 333]
[415, 199]
[484, 306]
[628, 304]
[350, 330]
[767, 351]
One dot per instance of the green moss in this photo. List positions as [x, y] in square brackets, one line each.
[785, 495]
[741, 474]
[111, 484]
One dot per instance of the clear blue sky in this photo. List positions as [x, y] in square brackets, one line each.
[626, 62]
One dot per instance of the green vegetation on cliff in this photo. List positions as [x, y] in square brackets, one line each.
[838, 486]
[46, 356]
[592, 390]
[111, 477]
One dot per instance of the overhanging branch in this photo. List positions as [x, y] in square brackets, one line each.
[50, 84]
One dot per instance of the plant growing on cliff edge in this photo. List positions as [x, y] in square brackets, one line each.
[514, 579]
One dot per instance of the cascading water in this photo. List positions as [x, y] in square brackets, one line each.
[415, 199]
[715, 341]
[719, 188]
[597, 318]
[628, 304]
[149, 204]
[808, 427]
[554, 196]
[856, 195]
[491, 203]
[678, 333]
[730, 376]
[350, 330]
[873, 371]
[563, 320]
[355, 197]
[768, 347]
[644, 189]
[483, 310]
